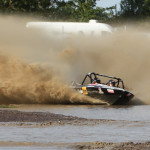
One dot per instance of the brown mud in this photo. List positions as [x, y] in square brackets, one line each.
[114, 146]
[85, 145]
[14, 117]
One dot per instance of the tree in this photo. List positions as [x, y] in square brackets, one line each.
[64, 10]
[86, 10]
[131, 7]
[25, 5]
[146, 8]
[71, 10]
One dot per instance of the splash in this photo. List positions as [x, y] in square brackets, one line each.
[24, 83]
[36, 67]
[29, 68]
[123, 54]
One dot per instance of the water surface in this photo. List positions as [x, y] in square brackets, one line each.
[130, 113]
[131, 123]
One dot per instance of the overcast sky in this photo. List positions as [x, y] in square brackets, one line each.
[108, 3]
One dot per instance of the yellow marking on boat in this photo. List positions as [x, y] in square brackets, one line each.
[84, 90]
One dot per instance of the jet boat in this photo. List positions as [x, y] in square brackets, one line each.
[112, 91]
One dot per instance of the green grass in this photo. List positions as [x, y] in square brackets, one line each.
[7, 106]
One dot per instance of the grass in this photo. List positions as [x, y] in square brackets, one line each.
[7, 106]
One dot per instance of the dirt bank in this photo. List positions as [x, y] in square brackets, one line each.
[20, 116]
[82, 146]
[15, 117]
[114, 146]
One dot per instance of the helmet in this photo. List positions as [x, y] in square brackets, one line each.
[111, 83]
[98, 80]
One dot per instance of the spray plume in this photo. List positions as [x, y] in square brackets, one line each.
[30, 70]
[36, 67]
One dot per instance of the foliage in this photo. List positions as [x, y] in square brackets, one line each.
[71, 10]
[135, 8]
[76, 10]
[146, 8]
[7, 106]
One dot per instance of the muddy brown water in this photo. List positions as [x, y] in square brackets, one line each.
[130, 123]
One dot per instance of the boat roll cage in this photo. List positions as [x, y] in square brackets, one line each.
[93, 76]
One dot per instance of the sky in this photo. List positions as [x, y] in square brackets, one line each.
[108, 3]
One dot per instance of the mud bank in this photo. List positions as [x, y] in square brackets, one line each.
[83, 146]
[16, 116]
[21, 118]
[114, 146]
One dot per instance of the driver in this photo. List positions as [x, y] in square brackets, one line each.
[111, 83]
[96, 81]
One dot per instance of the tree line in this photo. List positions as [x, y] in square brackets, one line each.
[76, 10]
[135, 8]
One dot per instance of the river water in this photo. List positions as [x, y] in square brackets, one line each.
[131, 123]
[129, 113]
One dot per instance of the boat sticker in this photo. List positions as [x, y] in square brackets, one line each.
[110, 91]
[100, 91]
[84, 90]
